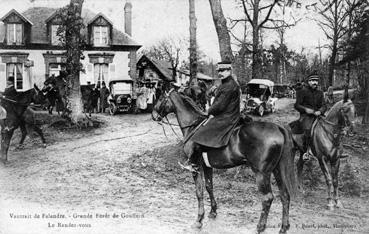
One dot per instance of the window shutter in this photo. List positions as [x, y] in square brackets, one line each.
[2, 77]
[111, 71]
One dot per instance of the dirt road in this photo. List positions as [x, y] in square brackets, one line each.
[118, 179]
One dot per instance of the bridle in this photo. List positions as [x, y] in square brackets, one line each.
[163, 116]
[342, 128]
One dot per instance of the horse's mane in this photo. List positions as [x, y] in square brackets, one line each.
[336, 107]
[25, 97]
[192, 104]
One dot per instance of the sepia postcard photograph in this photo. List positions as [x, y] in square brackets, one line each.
[184, 116]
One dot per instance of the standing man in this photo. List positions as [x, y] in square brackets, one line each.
[104, 93]
[310, 103]
[224, 114]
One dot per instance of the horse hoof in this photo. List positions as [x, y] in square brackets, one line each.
[212, 215]
[338, 204]
[284, 229]
[330, 207]
[260, 228]
[197, 225]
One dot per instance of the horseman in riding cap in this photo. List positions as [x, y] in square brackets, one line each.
[10, 91]
[224, 114]
[311, 104]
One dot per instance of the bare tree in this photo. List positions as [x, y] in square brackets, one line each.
[220, 23]
[259, 15]
[193, 45]
[334, 22]
[73, 43]
[171, 50]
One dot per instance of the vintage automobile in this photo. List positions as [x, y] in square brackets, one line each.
[121, 96]
[259, 98]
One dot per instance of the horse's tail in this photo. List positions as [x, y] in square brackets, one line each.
[287, 164]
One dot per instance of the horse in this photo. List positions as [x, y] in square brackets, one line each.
[326, 138]
[17, 116]
[54, 89]
[266, 147]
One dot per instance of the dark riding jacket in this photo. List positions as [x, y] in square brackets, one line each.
[226, 112]
[312, 99]
[10, 92]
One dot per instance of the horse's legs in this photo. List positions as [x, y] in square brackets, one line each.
[208, 172]
[6, 136]
[335, 164]
[24, 133]
[199, 184]
[300, 167]
[263, 182]
[328, 177]
[285, 199]
[39, 132]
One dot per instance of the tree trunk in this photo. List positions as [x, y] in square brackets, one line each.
[256, 53]
[332, 61]
[193, 53]
[220, 23]
[75, 104]
[366, 115]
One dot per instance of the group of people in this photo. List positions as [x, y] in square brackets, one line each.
[95, 98]
[224, 113]
[146, 96]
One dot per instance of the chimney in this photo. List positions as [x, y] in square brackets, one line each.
[128, 17]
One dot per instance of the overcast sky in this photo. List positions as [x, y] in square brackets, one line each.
[156, 19]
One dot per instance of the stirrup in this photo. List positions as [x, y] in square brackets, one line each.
[188, 167]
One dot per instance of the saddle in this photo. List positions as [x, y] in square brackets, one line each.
[296, 127]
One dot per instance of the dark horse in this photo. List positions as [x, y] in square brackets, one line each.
[266, 147]
[326, 139]
[54, 90]
[17, 115]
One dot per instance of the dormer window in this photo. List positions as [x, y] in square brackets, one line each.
[55, 39]
[14, 34]
[101, 36]
[100, 31]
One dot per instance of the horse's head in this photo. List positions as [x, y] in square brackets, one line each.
[347, 111]
[38, 96]
[163, 106]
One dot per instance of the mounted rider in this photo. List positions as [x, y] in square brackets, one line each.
[10, 91]
[311, 104]
[224, 114]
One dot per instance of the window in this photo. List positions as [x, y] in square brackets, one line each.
[55, 39]
[15, 70]
[56, 68]
[14, 34]
[100, 72]
[100, 35]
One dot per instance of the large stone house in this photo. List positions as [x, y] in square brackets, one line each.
[30, 49]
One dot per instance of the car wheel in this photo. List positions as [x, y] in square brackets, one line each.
[261, 110]
[112, 109]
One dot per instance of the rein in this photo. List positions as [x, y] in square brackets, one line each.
[13, 101]
[194, 123]
[335, 136]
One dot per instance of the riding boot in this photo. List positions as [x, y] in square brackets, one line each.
[307, 149]
[191, 164]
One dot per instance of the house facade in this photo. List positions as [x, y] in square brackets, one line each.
[30, 49]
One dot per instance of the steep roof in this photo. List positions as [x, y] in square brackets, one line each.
[163, 67]
[39, 15]
[17, 13]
